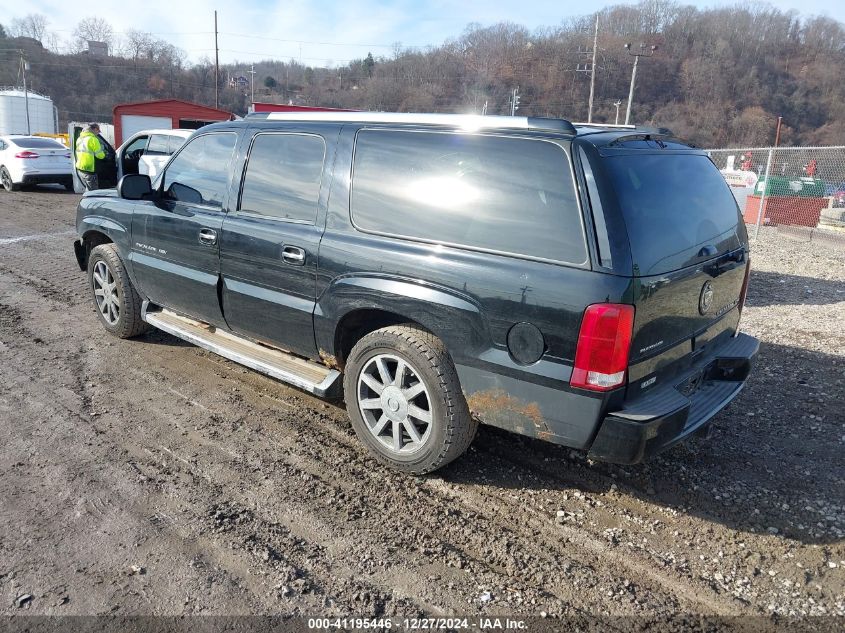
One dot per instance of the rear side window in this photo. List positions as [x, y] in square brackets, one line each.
[677, 208]
[283, 175]
[200, 172]
[501, 194]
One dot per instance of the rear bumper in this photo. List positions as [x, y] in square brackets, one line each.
[666, 415]
[60, 178]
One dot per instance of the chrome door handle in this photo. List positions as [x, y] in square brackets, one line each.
[208, 237]
[293, 255]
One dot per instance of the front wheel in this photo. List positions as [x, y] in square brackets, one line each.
[116, 300]
[405, 401]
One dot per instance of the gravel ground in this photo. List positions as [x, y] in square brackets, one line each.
[152, 477]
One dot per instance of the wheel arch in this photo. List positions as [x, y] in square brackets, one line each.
[356, 324]
[352, 307]
[90, 240]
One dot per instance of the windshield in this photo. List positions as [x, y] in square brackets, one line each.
[37, 143]
[677, 208]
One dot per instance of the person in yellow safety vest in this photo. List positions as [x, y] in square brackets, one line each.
[88, 150]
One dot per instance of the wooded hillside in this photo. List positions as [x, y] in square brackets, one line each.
[719, 77]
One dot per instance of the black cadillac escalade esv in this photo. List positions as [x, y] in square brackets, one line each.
[578, 285]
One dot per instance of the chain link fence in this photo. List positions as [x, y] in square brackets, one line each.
[799, 190]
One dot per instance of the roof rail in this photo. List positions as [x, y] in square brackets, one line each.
[615, 126]
[663, 131]
[465, 121]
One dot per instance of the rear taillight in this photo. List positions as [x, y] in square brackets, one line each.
[601, 358]
[26, 155]
[744, 290]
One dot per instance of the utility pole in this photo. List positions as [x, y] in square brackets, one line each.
[252, 83]
[216, 66]
[593, 72]
[24, 67]
[636, 57]
[514, 101]
[617, 103]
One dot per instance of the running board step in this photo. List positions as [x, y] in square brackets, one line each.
[296, 371]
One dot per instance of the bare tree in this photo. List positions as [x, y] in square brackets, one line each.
[33, 25]
[92, 29]
[135, 44]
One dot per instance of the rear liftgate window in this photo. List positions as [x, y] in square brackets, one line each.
[507, 195]
[675, 207]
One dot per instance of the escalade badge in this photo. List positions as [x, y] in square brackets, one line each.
[706, 298]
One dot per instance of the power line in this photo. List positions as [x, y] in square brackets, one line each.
[276, 39]
[268, 55]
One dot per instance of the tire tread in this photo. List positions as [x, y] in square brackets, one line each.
[130, 324]
[461, 427]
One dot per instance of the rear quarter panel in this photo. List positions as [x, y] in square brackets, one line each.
[470, 300]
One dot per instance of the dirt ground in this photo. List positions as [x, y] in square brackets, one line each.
[152, 477]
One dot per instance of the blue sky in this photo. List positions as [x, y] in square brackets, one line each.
[327, 32]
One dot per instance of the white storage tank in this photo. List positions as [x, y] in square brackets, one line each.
[42, 118]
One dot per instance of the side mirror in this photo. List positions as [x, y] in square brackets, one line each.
[135, 187]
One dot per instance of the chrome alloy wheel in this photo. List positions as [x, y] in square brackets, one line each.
[6, 179]
[394, 404]
[105, 292]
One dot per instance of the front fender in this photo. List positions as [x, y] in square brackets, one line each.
[110, 217]
[104, 213]
[117, 232]
[456, 319]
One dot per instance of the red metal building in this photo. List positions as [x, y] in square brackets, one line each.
[163, 114]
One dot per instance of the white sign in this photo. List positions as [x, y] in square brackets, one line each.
[739, 178]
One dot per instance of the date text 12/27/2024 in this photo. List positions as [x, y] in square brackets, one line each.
[418, 624]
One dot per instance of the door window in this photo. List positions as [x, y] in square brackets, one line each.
[158, 145]
[200, 172]
[283, 176]
[138, 143]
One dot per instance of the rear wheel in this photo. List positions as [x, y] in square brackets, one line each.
[117, 303]
[6, 180]
[404, 399]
